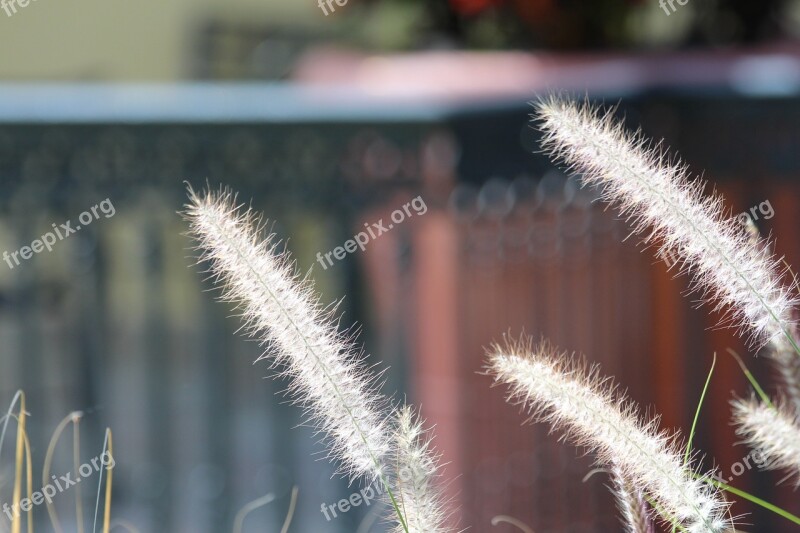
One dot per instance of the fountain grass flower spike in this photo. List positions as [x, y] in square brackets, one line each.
[573, 398]
[657, 195]
[281, 310]
[418, 499]
[326, 374]
[773, 431]
[631, 504]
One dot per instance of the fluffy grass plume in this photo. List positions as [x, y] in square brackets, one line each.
[280, 309]
[572, 397]
[773, 431]
[657, 195]
[417, 470]
[788, 366]
[778, 350]
[325, 369]
[631, 504]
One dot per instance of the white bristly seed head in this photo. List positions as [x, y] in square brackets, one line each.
[575, 399]
[631, 504]
[788, 366]
[658, 196]
[281, 310]
[771, 430]
[417, 470]
[779, 350]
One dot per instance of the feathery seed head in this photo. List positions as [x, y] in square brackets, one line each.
[631, 504]
[788, 365]
[417, 470]
[656, 194]
[280, 309]
[573, 397]
[772, 430]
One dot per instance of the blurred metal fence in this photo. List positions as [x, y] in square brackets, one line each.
[114, 320]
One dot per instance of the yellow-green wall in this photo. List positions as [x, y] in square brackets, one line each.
[124, 40]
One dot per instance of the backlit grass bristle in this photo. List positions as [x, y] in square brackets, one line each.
[418, 471]
[632, 506]
[572, 397]
[327, 376]
[325, 369]
[772, 430]
[658, 195]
